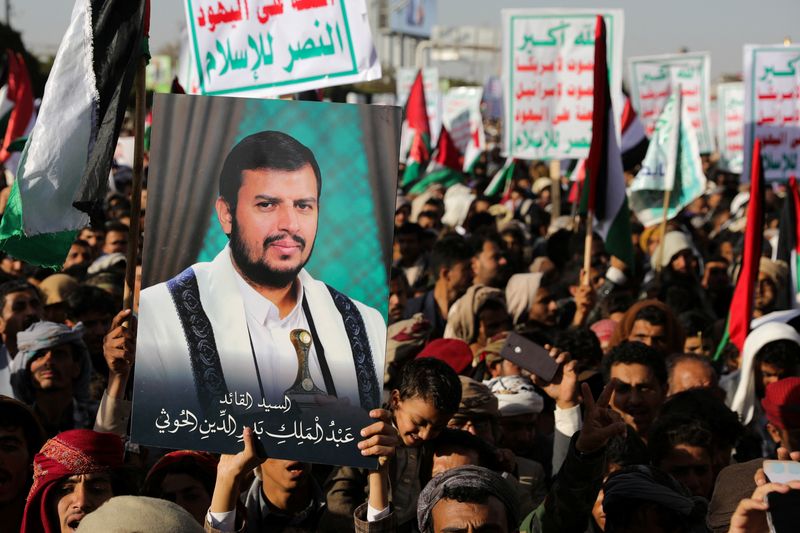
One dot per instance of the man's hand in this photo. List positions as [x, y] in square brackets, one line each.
[231, 470]
[585, 299]
[618, 263]
[119, 349]
[750, 515]
[563, 388]
[600, 422]
[380, 438]
[783, 455]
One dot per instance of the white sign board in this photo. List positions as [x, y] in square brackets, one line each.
[730, 132]
[275, 47]
[772, 108]
[548, 69]
[461, 115]
[652, 79]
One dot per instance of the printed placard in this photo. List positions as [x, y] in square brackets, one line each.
[548, 69]
[261, 305]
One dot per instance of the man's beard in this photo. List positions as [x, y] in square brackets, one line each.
[259, 272]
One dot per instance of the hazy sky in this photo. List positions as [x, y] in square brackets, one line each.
[721, 27]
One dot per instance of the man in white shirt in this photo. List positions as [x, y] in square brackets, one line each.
[236, 313]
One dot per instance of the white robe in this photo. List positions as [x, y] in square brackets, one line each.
[163, 366]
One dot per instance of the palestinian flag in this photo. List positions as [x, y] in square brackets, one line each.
[63, 172]
[16, 104]
[474, 149]
[741, 313]
[603, 193]
[634, 141]
[789, 246]
[577, 178]
[445, 167]
[502, 179]
[633, 145]
[148, 129]
[417, 125]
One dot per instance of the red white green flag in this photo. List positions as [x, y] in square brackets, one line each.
[17, 101]
[603, 192]
[63, 170]
[416, 125]
[741, 313]
[445, 167]
[501, 181]
[789, 245]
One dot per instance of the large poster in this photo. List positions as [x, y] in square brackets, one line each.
[159, 73]
[730, 130]
[772, 108]
[271, 47]
[412, 17]
[652, 79]
[548, 66]
[265, 261]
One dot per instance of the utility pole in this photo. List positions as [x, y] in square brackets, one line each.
[8, 13]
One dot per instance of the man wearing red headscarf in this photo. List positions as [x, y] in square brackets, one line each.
[74, 473]
[781, 405]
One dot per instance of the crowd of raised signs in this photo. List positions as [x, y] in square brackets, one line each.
[647, 424]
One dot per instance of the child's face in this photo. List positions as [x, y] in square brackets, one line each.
[417, 419]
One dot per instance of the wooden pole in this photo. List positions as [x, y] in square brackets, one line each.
[660, 254]
[555, 189]
[136, 192]
[587, 248]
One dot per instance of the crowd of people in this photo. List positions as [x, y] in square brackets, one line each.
[645, 426]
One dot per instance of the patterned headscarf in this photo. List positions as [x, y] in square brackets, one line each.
[462, 319]
[643, 483]
[475, 478]
[515, 396]
[203, 463]
[41, 336]
[476, 399]
[672, 329]
[71, 453]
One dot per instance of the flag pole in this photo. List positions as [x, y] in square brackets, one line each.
[587, 247]
[136, 192]
[555, 189]
[663, 226]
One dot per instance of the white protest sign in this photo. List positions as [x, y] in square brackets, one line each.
[461, 115]
[772, 108]
[730, 132]
[123, 155]
[672, 163]
[548, 69]
[652, 79]
[275, 47]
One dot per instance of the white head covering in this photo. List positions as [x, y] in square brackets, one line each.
[515, 396]
[674, 242]
[744, 399]
[520, 293]
[462, 320]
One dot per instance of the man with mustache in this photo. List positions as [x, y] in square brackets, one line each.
[254, 293]
[20, 306]
[73, 474]
[51, 373]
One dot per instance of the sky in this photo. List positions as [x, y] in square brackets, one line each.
[721, 27]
